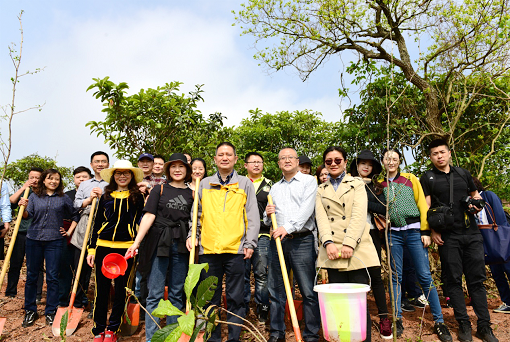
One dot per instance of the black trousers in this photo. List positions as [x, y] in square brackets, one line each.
[16, 262]
[377, 282]
[463, 254]
[355, 276]
[103, 289]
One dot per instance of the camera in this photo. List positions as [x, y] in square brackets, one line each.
[468, 200]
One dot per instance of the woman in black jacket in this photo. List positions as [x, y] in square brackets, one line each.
[368, 167]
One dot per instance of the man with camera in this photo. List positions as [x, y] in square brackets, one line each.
[453, 198]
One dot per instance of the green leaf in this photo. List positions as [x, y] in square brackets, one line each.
[163, 334]
[205, 291]
[63, 325]
[193, 277]
[187, 323]
[165, 308]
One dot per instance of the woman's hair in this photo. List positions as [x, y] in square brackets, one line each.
[334, 148]
[134, 192]
[41, 188]
[318, 173]
[478, 184]
[203, 163]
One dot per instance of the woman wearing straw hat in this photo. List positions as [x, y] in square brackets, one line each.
[366, 166]
[341, 210]
[166, 223]
[115, 228]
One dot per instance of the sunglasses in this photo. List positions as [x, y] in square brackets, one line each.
[337, 161]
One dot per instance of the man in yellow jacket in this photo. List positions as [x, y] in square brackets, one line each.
[229, 227]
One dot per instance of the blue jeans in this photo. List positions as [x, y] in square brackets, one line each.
[37, 252]
[259, 260]
[498, 273]
[420, 257]
[156, 283]
[300, 255]
[232, 266]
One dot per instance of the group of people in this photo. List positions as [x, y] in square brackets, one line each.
[329, 221]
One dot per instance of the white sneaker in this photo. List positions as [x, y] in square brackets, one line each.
[503, 308]
[423, 300]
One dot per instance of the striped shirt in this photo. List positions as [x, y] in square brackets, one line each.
[295, 203]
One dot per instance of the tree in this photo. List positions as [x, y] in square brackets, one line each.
[267, 134]
[17, 171]
[10, 110]
[468, 41]
[155, 120]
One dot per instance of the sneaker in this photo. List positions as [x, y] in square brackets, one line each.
[110, 336]
[485, 334]
[400, 327]
[30, 318]
[416, 303]
[448, 304]
[262, 312]
[465, 332]
[407, 307]
[423, 300]
[50, 318]
[99, 338]
[442, 332]
[503, 308]
[385, 329]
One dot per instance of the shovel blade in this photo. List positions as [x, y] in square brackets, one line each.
[72, 321]
[133, 312]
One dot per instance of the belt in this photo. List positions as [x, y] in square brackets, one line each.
[299, 235]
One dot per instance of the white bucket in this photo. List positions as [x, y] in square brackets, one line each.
[343, 310]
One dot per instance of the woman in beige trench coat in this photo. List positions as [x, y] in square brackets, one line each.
[346, 247]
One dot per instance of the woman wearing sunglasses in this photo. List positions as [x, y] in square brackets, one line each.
[341, 212]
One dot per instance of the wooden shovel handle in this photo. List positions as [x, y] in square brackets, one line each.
[290, 299]
[193, 233]
[13, 239]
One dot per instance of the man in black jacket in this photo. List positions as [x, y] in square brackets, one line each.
[460, 244]
[254, 164]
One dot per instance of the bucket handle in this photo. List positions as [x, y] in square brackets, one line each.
[353, 256]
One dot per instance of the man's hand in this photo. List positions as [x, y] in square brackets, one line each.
[248, 252]
[279, 233]
[90, 260]
[436, 237]
[4, 231]
[188, 244]
[23, 202]
[270, 209]
[143, 187]
[425, 239]
[346, 252]
[96, 192]
[332, 251]
[30, 183]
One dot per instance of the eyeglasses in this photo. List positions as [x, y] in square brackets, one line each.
[124, 173]
[287, 158]
[337, 161]
[255, 162]
[100, 162]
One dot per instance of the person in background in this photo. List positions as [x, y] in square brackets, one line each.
[48, 206]
[158, 169]
[461, 244]
[305, 165]
[294, 207]
[322, 174]
[254, 165]
[368, 168]
[164, 229]
[493, 212]
[409, 227]
[118, 215]
[198, 170]
[6, 215]
[188, 157]
[228, 233]
[69, 259]
[18, 252]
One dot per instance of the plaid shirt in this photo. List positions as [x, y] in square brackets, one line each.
[48, 214]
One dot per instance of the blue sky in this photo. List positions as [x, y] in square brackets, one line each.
[145, 44]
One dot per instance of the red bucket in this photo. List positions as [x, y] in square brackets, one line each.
[114, 265]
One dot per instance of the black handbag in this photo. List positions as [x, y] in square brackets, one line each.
[496, 241]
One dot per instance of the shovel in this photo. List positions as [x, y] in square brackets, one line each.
[184, 337]
[290, 299]
[74, 314]
[9, 251]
